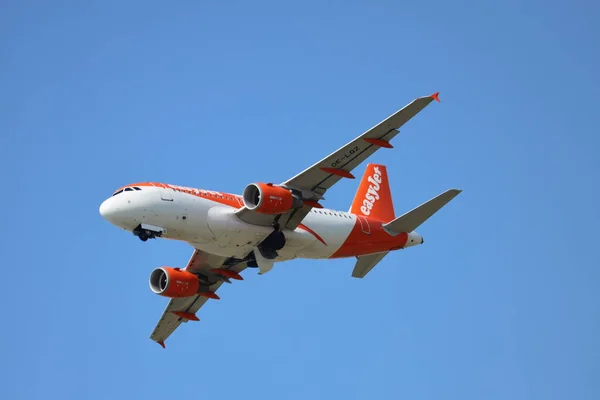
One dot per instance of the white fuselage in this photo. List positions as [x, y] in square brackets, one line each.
[207, 223]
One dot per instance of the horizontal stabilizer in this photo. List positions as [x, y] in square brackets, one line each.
[364, 264]
[412, 219]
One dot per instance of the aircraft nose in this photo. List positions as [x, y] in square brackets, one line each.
[119, 212]
[107, 209]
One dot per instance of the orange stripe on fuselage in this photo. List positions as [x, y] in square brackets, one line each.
[315, 234]
[378, 240]
[227, 199]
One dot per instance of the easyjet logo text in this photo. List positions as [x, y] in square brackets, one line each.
[372, 194]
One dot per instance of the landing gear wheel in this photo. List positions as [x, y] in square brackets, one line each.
[144, 234]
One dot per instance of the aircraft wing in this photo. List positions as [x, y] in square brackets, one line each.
[314, 181]
[199, 262]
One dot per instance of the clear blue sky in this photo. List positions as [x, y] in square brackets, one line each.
[500, 303]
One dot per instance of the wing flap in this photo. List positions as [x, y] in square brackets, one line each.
[169, 322]
[358, 150]
[314, 181]
[198, 263]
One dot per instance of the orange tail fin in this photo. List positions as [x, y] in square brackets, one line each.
[373, 198]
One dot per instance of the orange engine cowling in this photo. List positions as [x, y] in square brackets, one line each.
[173, 282]
[268, 199]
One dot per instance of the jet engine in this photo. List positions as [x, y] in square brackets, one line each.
[265, 198]
[173, 282]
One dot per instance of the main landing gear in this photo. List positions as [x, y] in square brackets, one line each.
[264, 256]
[275, 241]
[145, 232]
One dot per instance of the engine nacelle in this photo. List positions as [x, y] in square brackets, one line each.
[173, 282]
[269, 199]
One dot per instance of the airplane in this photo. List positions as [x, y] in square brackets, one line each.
[271, 223]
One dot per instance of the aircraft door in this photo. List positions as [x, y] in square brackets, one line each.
[364, 224]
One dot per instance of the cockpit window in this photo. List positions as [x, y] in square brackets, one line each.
[127, 189]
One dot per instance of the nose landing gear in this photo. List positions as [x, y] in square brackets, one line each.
[143, 235]
[145, 232]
